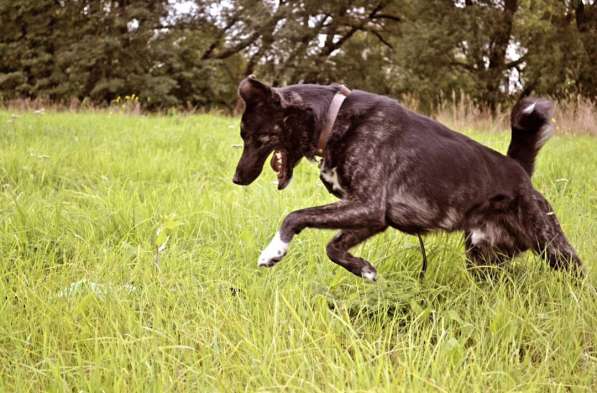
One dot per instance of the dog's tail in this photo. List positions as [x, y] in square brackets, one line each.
[531, 128]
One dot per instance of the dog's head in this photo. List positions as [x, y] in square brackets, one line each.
[266, 127]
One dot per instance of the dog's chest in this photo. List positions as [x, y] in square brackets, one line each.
[329, 177]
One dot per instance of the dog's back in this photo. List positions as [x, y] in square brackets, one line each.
[432, 162]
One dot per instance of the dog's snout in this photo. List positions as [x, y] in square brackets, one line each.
[240, 180]
[249, 166]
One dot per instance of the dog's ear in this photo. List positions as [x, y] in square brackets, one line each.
[253, 91]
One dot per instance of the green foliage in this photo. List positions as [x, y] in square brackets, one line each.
[490, 50]
[562, 57]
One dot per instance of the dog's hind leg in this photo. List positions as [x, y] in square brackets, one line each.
[548, 239]
[480, 253]
[337, 250]
[494, 242]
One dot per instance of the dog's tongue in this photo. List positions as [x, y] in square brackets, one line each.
[279, 164]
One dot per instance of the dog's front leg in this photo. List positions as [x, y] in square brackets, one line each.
[346, 214]
[338, 248]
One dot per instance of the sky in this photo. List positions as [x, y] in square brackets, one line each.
[185, 6]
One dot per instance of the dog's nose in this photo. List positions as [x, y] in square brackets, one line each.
[236, 179]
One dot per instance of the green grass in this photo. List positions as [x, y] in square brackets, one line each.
[81, 199]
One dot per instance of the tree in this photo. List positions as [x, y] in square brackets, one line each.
[28, 31]
[490, 50]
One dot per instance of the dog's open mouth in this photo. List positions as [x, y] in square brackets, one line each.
[279, 164]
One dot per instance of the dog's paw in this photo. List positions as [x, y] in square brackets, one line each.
[369, 273]
[273, 253]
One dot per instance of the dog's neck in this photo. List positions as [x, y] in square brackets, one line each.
[323, 103]
[332, 113]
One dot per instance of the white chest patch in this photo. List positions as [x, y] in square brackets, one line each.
[330, 176]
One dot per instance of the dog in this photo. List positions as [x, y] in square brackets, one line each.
[391, 167]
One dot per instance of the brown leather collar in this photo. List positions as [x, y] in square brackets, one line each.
[333, 110]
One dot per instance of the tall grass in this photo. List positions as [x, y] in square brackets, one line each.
[573, 116]
[87, 305]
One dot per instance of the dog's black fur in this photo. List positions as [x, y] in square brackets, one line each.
[393, 167]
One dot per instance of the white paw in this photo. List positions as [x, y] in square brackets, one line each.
[369, 274]
[273, 253]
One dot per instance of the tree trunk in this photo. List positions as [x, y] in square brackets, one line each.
[495, 73]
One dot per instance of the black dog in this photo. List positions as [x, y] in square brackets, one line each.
[393, 167]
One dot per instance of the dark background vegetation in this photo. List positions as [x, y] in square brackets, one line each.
[193, 53]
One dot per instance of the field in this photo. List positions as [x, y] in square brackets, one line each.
[129, 264]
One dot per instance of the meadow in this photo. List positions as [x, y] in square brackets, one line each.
[128, 263]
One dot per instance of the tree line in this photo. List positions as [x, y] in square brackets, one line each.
[193, 53]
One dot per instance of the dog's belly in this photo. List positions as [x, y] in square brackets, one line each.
[412, 215]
